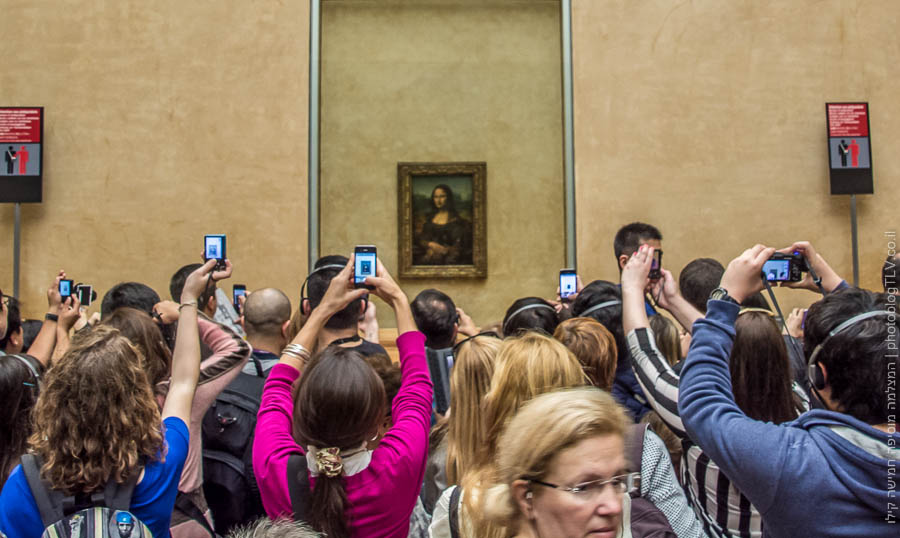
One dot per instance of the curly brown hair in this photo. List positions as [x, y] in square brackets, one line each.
[96, 418]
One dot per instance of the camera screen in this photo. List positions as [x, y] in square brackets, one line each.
[65, 288]
[567, 285]
[365, 266]
[238, 292]
[777, 270]
[655, 264]
[213, 247]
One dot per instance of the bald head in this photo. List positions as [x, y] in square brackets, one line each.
[265, 311]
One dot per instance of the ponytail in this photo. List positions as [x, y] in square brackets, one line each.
[328, 505]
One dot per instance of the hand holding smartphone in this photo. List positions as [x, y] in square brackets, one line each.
[568, 284]
[364, 265]
[214, 248]
[238, 291]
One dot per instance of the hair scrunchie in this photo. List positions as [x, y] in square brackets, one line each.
[328, 462]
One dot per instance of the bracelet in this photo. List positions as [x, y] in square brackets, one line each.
[296, 350]
[51, 317]
[189, 303]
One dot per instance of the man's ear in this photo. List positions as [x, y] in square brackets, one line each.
[211, 304]
[522, 495]
[284, 329]
[623, 259]
[304, 307]
[17, 337]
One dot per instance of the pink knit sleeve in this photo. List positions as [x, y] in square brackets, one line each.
[273, 442]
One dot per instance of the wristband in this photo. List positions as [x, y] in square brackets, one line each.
[189, 303]
[51, 317]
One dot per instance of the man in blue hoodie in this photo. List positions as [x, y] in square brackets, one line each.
[833, 471]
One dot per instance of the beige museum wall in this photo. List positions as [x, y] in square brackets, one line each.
[707, 119]
[164, 121]
[441, 80]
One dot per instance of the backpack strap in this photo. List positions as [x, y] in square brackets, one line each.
[118, 496]
[298, 485]
[634, 450]
[454, 512]
[49, 502]
[188, 508]
[258, 365]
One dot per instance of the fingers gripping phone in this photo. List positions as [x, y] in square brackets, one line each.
[236, 292]
[568, 284]
[214, 248]
[364, 265]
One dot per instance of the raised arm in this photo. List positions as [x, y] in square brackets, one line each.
[186, 358]
[830, 280]
[711, 416]
[656, 377]
[45, 341]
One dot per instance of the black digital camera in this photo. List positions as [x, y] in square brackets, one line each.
[785, 267]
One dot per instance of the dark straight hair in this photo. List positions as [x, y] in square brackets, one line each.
[18, 394]
[760, 370]
[336, 415]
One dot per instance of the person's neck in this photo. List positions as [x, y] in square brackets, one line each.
[271, 344]
[887, 427]
[327, 336]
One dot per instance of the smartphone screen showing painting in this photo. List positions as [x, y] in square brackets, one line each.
[442, 221]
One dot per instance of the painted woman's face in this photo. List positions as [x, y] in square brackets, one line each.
[439, 198]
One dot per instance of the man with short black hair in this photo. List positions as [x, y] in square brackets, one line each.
[698, 279]
[437, 318]
[266, 318]
[132, 294]
[13, 341]
[342, 328]
[827, 473]
[629, 239]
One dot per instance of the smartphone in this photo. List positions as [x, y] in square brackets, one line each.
[214, 248]
[65, 289]
[85, 294]
[237, 291]
[656, 265]
[364, 265]
[568, 283]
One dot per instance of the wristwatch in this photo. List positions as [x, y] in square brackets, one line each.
[721, 294]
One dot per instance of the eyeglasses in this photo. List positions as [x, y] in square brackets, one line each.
[492, 334]
[588, 491]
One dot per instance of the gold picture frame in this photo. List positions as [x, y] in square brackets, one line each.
[443, 229]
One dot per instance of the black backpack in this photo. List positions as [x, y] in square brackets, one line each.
[229, 484]
[103, 513]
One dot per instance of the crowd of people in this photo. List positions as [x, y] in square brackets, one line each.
[652, 406]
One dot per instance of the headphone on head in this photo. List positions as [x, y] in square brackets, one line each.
[304, 298]
[604, 304]
[35, 371]
[813, 370]
[524, 308]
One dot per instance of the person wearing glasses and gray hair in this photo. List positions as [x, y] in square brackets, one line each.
[561, 468]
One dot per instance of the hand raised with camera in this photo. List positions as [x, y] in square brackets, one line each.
[635, 274]
[385, 287]
[53, 297]
[794, 322]
[743, 276]
[830, 279]
[68, 311]
[340, 293]
[466, 325]
[197, 282]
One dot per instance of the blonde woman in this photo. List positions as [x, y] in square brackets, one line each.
[524, 368]
[561, 469]
[456, 440]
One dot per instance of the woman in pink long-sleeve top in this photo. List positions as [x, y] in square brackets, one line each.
[338, 407]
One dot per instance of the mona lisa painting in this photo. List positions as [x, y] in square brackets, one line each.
[442, 220]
